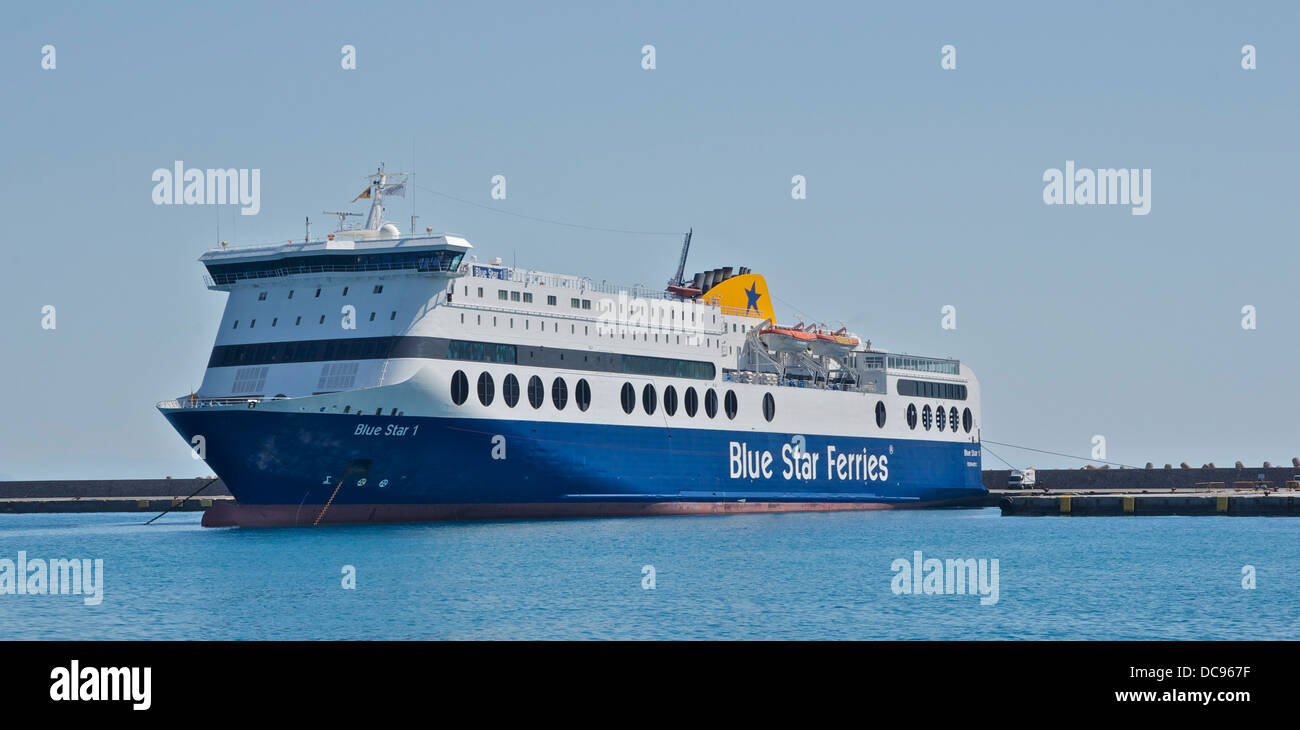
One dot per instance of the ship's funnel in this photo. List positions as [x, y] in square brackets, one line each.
[698, 283]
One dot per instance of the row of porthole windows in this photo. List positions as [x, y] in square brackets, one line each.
[582, 396]
[510, 391]
[940, 418]
[690, 401]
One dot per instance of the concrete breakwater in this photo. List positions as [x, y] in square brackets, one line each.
[1151, 480]
[110, 495]
[1246, 491]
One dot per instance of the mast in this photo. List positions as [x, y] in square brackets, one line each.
[681, 265]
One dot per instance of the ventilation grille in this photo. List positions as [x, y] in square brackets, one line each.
[337, 375]
[250, 380]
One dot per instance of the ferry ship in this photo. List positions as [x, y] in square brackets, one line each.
[374, 377]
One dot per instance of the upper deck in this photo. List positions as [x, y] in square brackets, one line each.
[229, 265]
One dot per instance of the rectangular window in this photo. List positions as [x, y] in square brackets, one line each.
[586, 304]
[575, 303]
[297, 322]
[379, 288]
[480, 292]
[481, 352]
[393, 316]
[291, 294]
[274, 320]
[514, 296]
[318, 293]
[528, 297]
[345, 291]
[322, 319]
[337, 375]
[236, 325]
[261, 296]
[550, 299]
[372, 318]
[252, 323]
[501, 294]
[249, 380]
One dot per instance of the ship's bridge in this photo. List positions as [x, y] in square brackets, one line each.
[430, 254]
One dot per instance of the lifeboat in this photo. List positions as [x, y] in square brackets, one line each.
[832, 344]
[786, 339]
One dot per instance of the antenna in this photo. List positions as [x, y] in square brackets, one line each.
[681, 265]
[308, 238]
[342, 214]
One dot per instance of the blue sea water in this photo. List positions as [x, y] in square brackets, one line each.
[778, 576]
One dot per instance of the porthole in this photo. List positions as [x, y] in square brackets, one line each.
[628, 397]
[731, 404]
[940, 418]
[670, 400]
[926, 418]
[769, 407]
[710, 403]
[559, 394]
[536, 392]
[880, 413]
[582, 395]
[692, 402]
[510, 390]
[952, 419]
[648, 399]
[485, 389]
[967, 420]
[459, 387]
[911, 416]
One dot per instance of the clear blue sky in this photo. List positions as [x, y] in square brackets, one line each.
[924, 189]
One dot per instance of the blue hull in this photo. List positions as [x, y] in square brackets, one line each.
[284, 468]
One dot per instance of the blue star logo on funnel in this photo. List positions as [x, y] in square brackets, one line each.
[752, 293]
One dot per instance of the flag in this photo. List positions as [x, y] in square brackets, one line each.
[364, 194]
[398, 190]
